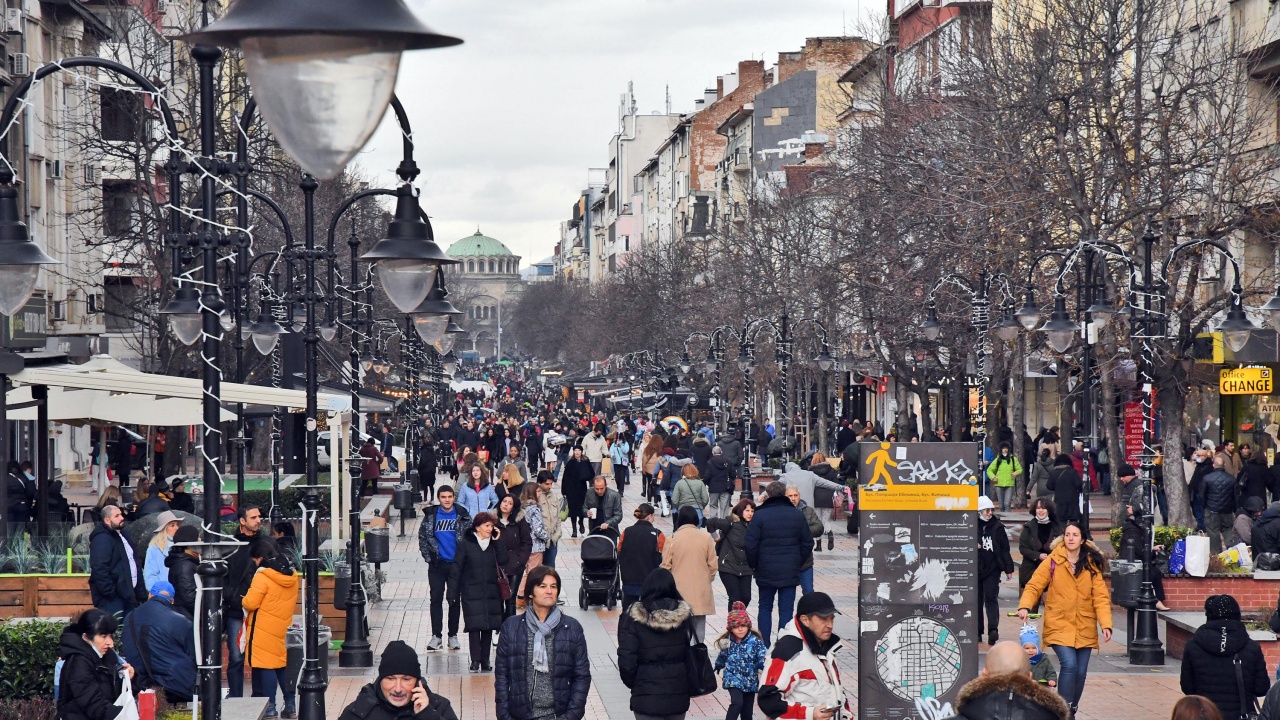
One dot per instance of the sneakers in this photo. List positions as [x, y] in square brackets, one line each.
[993, 638]
[270, 713]
[453, 643]
[289, 713]
[475, 667]
[831, 540]
[436, 643]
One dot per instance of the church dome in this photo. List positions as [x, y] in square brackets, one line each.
[478, 245]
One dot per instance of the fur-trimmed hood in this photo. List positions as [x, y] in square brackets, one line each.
[1005, 697]
[661, 619]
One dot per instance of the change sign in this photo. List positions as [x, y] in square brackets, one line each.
[1245, 381]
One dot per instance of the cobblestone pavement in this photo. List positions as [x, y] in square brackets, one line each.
[1113, 689]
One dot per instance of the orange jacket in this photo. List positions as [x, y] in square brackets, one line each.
[1074, 606]
[268, 609]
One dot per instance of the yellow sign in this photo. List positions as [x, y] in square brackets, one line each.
[1245, 381]
[919, 497]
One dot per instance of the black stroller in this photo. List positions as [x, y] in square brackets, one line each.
[601, 580]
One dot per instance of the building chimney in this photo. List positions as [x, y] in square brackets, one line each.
[719, 87]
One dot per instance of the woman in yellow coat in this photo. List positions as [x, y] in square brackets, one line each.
[268, 608]
[1076, 603]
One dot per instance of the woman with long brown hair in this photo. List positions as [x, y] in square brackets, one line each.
[649, 458]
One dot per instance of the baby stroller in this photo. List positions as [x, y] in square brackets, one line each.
[601, 581]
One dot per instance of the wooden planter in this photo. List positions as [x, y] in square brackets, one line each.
[329, 615]
[44, 595]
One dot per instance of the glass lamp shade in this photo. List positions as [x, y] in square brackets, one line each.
[686, 367]
[1272, 309]
[227, 320]
[711, 365]
[407, 282]
[1028, 317]
[1100, 313]
[1008, 328]
[1236, 339]
[1236, 327]
[328, 331]
[17, 283]
[322, 96]
[367, 361]
[744, 364]
[450, 367]
[265, 342]
[431, 328]
[187, 327]
[445, 344]
[825, 361]
[931, 327]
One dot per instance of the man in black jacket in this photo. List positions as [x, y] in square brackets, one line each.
[1005, 690]
[1218, 493]
[113, 570]
[240, 571]
[719, 480]
[400, 692]
[846, 437]
[993, 558]
[1066, 486]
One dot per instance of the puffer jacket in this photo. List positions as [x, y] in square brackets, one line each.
[1266, 532]
[825, 471]
[652, 645]
[802, 675]
[1030, 546]
[816, 529]
[993, 548]
[475, 582]
[182, 575]
[371, 705]
[1040, 470]
[1218, 492]
[719, 476]
[519, 541]
[1009, 697]
[731, 449]
[701, 452]
[268, 606]
[733, 551]
[1074, 605]
[427, 544]
[778, 543]
[1066, 485]
[570, 670]
[1208, 666]
[742, 662]
[89, 684]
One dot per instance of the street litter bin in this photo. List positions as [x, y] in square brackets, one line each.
[377, 545]
[341, 584]
[1126, 583]
[295, 656]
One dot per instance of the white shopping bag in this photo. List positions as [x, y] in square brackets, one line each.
[126, 702]
[1197, 564]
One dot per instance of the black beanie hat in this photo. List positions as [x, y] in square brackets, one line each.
[1221, 607]
[399, 659]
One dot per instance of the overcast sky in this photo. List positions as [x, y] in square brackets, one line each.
[507, 124]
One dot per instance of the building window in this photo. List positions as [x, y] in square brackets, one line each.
[471, 266]
[124, 115]
[120, 208]
[492, 266]
[122, 297]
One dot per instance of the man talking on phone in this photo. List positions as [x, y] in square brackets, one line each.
[399, 692]
[802, 681]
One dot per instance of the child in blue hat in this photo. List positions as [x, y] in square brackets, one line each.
[1042, 669]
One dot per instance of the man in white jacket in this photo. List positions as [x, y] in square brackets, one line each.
[595, 448]
[801, 680]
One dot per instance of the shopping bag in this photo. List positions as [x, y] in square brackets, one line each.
[127, 704]
[1178, 557]
[700, 674]
[1197, 560]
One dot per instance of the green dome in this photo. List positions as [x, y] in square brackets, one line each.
[478, 245]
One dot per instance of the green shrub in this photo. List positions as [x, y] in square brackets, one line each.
[290, 499]
[28, 652]
[1166, 535]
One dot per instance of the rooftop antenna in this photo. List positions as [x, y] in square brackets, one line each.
[668, 87]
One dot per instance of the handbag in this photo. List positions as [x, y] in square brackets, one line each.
[126, 702]
[1248, 705]
[701, 674]
[504, 585]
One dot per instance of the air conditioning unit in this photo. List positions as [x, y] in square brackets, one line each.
[96, 304]
[20, 64]
[58, 311]
[90, 173]
[162, 6]
[53, 169]
[13, 21]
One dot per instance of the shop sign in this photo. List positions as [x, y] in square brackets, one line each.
[1245, 381]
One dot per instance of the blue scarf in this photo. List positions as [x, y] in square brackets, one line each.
[541, 631]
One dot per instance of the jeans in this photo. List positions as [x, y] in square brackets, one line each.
[1005, 496]
[737, 587]
[1074, 664]
[438, 577]
[786, 606]
[595, 468]
[1221, 527]
[1162, 501]
[721, 505]
[480, 640]
[235, 657]
[699, 628]
[806, 581]
[989, 587]
[549, 555]
[265, 681]
[1197, 511]
[642, 716]
[741, 703]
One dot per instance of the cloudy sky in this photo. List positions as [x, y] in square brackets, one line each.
[507, 124]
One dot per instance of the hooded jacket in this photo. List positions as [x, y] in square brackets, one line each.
[1040, 470]
[733, 538]
[778, 543]
[371, 705]
[802, 676]
[475, 582]
[1208, 667]
[1030, 545]
[993, 548]
[182, 575]
[701, 452]
[1266, 532]
[158, 640]
[731, 448]
[1066, 486]
[269, 605]
[1009, 697]
[89, 684]
[569, 664]
[427, 543]
[652, 646]
[806, 482]
[1074, 605]
[719, 475]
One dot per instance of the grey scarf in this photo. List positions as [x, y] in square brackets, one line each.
[541, 631]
